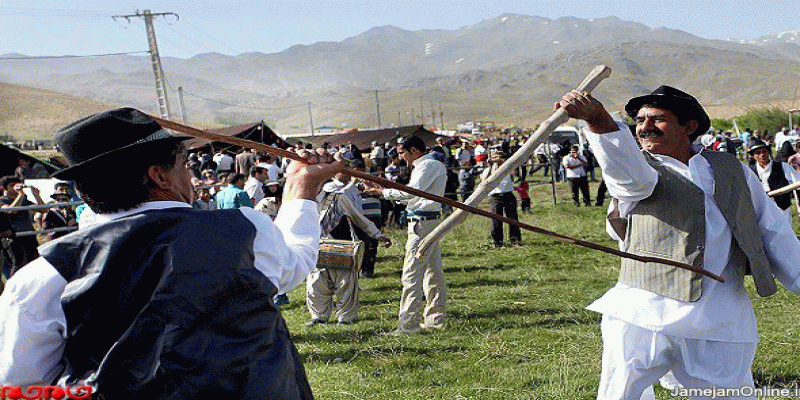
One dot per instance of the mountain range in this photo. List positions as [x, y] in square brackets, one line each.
[510, 69]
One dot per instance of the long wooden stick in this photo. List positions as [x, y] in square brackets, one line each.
[416, 192]
[785, 189]
[522, 155]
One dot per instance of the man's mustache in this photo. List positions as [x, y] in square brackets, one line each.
[654, 132]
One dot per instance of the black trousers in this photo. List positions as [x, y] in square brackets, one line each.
[504, 204]
[581, 184]
[601, 193]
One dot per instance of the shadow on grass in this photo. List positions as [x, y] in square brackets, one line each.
[767, 379]
[551, 318]
[472, 268]
[485, 282]
[387, 351]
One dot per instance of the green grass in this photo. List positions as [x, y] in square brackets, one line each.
[517, 327]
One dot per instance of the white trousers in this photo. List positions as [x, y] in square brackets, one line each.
[635, 358]
[422, 277]
[321, 286]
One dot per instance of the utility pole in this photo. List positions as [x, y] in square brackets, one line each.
[310, 120]
[413, 117]
[183, 106]
[421, 113]
[433, 115]
[378, 108]
[158, 70]
[441, 117]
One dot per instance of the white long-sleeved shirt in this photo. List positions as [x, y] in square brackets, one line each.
[570, 161]
[427, 175]
[723, 312]
[33, 325]
[506, 184]
[789, 173]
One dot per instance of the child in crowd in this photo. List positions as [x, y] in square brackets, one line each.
[525, 199]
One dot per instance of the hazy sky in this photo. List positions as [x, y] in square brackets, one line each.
[83, 27]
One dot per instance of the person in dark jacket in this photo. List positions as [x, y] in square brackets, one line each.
[143, 304]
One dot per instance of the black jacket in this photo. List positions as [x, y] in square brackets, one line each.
[167, 304]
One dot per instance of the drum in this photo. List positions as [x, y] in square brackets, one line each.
[340, 254]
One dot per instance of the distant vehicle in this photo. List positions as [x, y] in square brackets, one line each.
[566, 132]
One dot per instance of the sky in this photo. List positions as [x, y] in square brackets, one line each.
[86, 27]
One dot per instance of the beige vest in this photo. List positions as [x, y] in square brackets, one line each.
[670, 223]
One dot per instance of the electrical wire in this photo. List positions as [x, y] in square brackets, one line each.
[74, 56]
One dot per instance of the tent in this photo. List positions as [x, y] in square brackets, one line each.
[8, 160]
[257, 132]
[363, 138]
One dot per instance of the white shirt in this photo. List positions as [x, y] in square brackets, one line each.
[427, 175]
[273, 171]
[32, 322]
[723, 312]
[569, 161]
[789, 173]
[224, 161]
[505, 185]
[349, 189]
[254, 189]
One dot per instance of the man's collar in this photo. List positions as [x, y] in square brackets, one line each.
[425, 156]
[150, 205]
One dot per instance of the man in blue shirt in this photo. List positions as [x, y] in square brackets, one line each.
[233, 196]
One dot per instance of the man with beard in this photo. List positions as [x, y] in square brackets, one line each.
[698, 207]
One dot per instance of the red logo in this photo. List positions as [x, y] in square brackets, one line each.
[46, 392]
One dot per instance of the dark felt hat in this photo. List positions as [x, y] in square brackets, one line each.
[676, 101]
[757, 144]
[106, 139]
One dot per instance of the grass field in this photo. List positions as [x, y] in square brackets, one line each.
[517, 327]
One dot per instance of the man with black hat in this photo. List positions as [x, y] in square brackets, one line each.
[147, 303]
[774, 175]
[699, 207]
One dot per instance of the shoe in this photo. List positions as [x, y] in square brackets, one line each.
[431, 327]
[346, 322]
[366, 274]
[315, 321]
[402, 332]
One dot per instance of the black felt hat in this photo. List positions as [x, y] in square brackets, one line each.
[676, 101]
[757, 144]
[106, 139]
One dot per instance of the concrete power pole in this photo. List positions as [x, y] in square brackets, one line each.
[441, 117]
[183, 106]
[158, 70]
[378, 108]
[310, 120]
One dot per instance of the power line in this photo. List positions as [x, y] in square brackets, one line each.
[243, 106]
[197, 28]
[78, 56]
[49, 12]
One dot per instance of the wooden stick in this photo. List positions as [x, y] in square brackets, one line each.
[522, 155]
[416, 192]
[785, 189]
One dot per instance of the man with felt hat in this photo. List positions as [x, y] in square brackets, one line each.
[705, 208]
[774, 175]
[147, 304]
